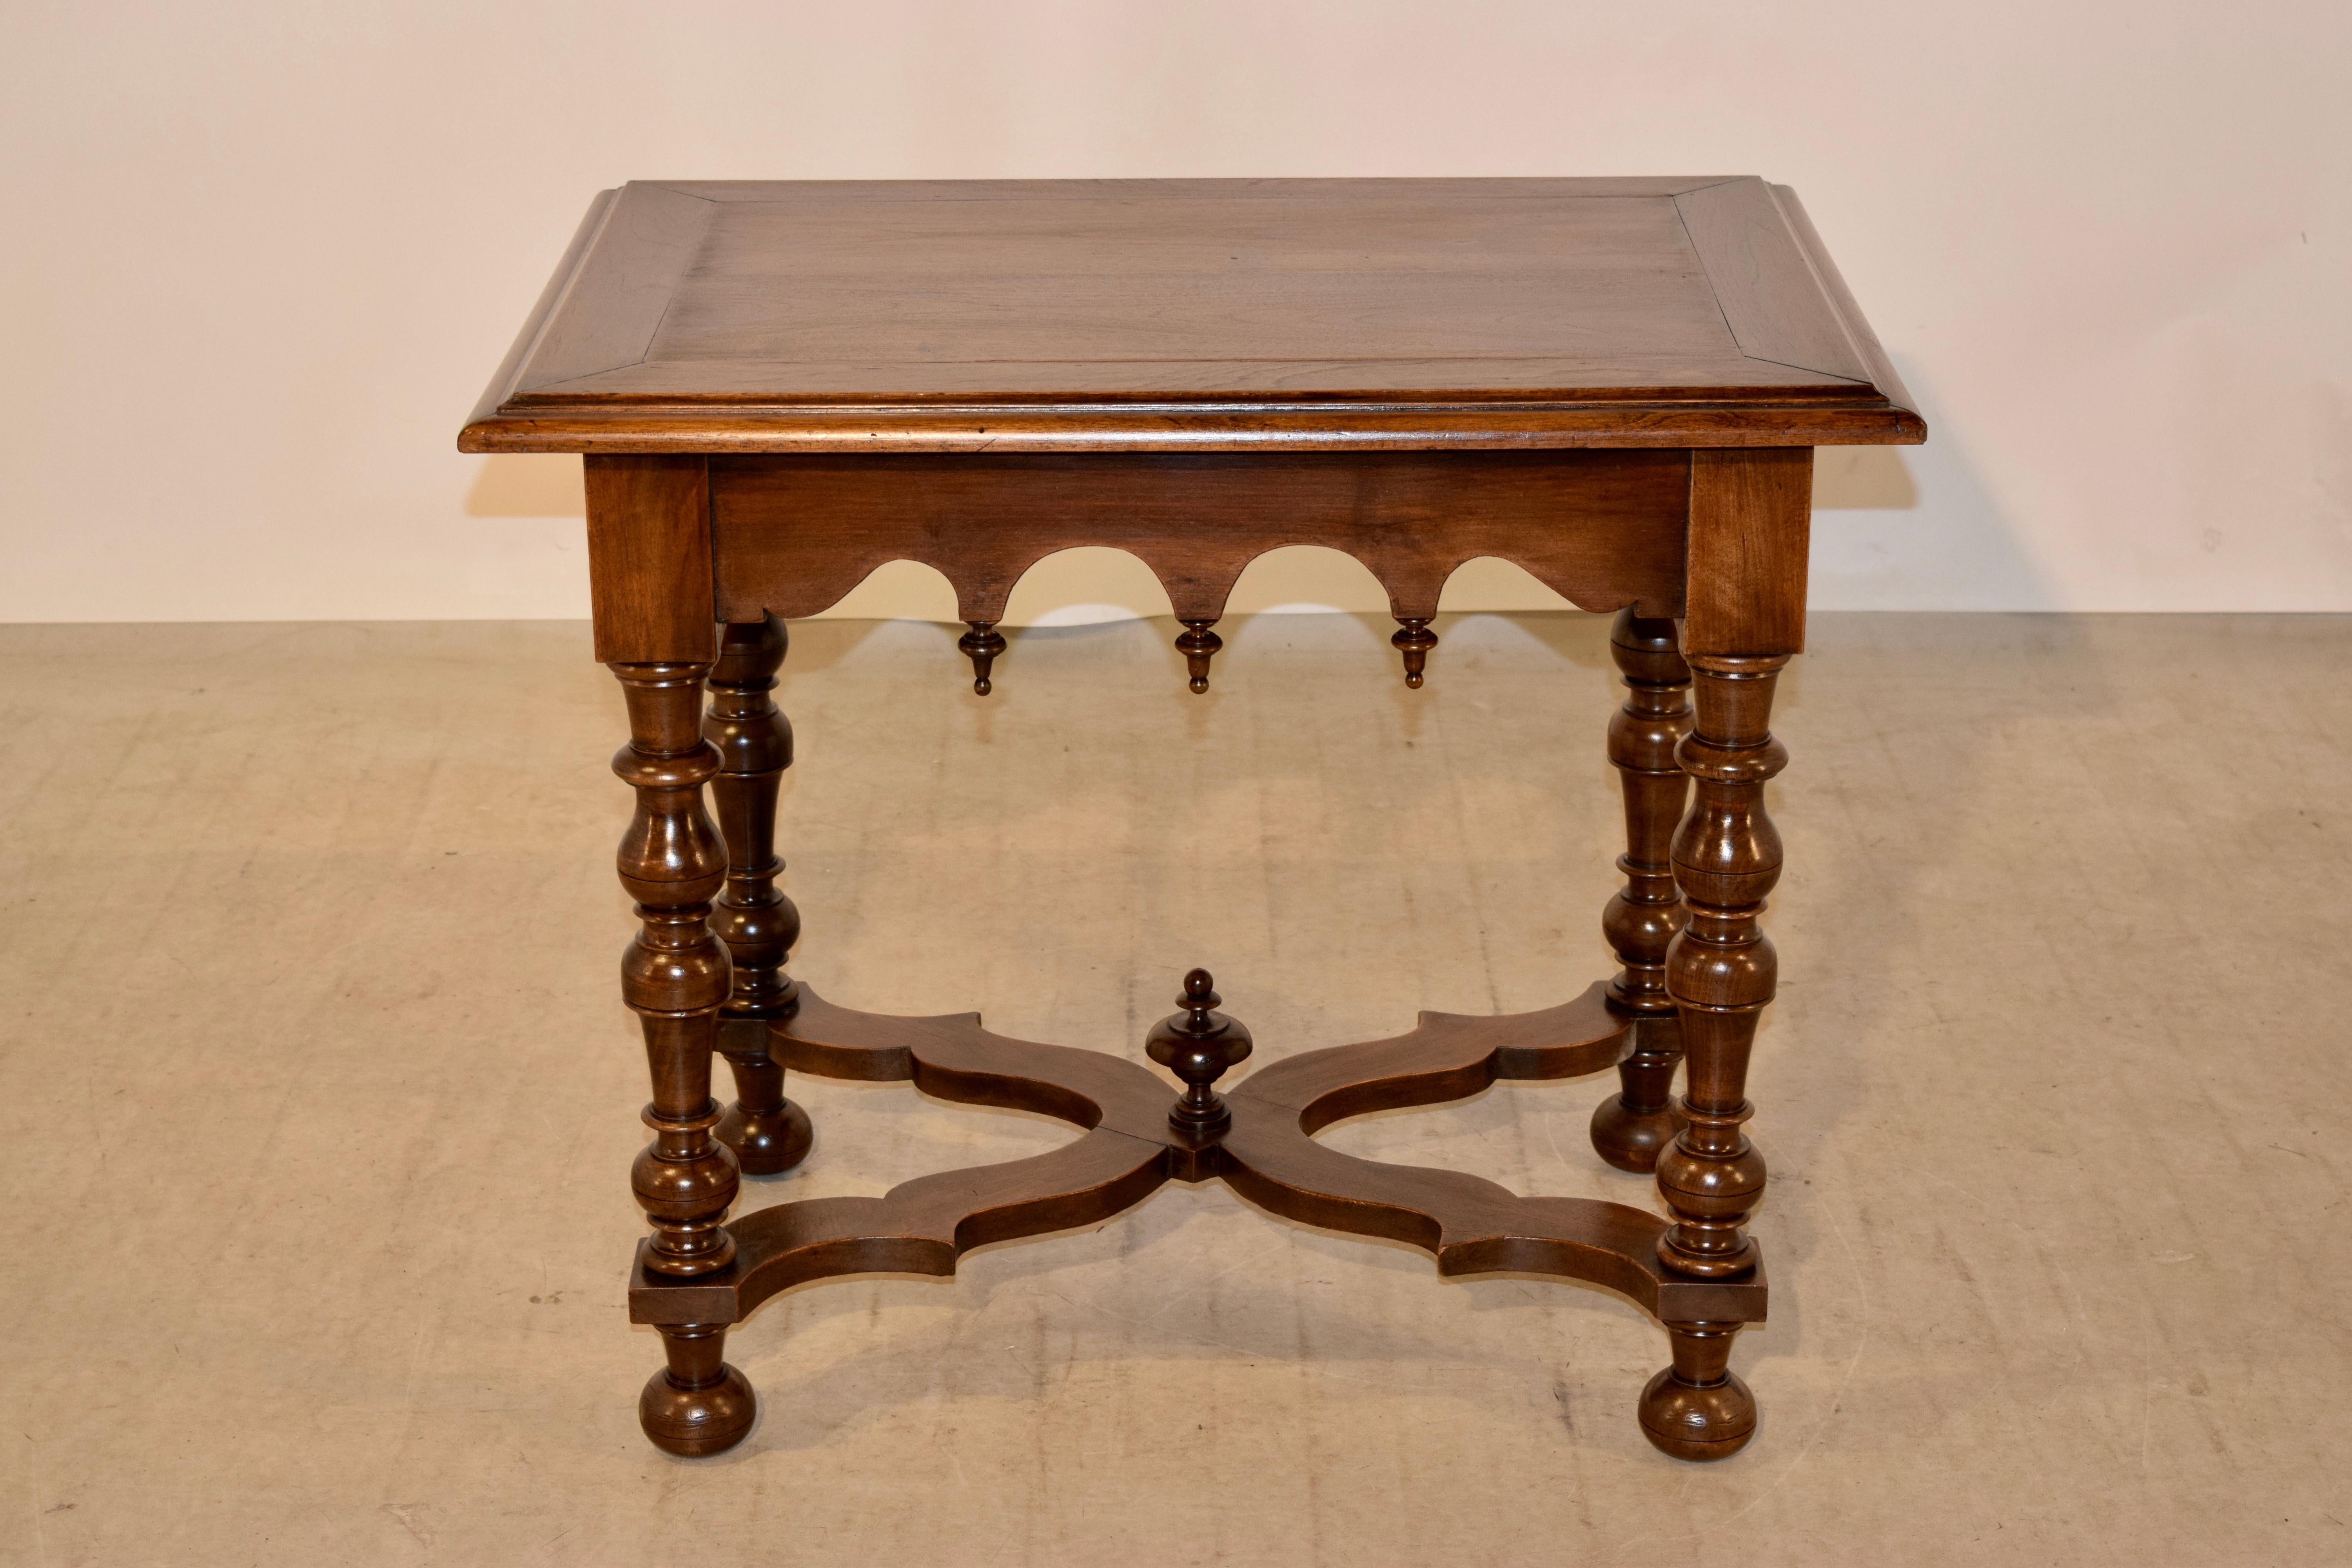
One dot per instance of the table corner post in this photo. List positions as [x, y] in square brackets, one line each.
[1744, 620]
[650, 575]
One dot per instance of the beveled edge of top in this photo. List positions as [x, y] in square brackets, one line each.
[1861, 401]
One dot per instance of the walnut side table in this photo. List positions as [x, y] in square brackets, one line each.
[1616, 383]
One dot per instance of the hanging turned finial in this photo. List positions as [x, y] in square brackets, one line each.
[1198, 1044]
[1198, 644]
[1413, 640]
[982, 643]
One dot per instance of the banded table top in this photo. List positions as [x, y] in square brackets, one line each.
[1204, 315]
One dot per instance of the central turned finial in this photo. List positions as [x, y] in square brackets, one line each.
[1198, 1044]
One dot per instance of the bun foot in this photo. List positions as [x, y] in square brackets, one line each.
[696, 1404]
[766, 1143]
[1689, 1422]
[1629, 1140]
[1696, 1409]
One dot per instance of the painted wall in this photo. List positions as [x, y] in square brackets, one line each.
[259, 258]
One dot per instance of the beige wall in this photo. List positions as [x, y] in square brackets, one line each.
[259, 258]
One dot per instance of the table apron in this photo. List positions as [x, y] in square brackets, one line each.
[793, 534]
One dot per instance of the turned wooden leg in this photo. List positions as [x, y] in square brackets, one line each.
[674, 974]
[698, 1404]
[1744, 615]
[1630, 1127]
[1721, 968]
[675, 977]
[758, 923]
[1696, 1409]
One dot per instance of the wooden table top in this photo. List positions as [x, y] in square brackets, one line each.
[1206, 315]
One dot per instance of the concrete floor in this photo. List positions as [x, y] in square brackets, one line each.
[320, 1104]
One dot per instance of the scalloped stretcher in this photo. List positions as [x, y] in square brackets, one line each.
[1268, 1155]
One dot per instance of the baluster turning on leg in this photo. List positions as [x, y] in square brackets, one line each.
[1721, 968]
[1628, 1127]
[759, 925]
[675, 977]
[1720, 971]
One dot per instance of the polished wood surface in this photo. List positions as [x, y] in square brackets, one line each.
[1750, 516]
[1197, 314]
[649, 568]
[1614, 384]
